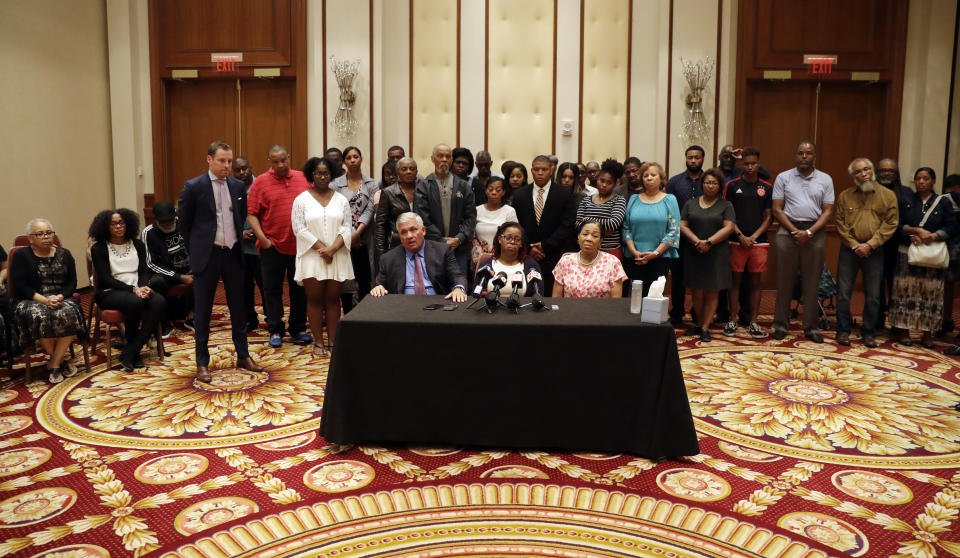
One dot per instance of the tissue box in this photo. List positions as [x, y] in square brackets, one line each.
[655, 310]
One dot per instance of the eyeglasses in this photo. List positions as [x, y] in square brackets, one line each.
[45, 234]
[120, 224]
[511, 239]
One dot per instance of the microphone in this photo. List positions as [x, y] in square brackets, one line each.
[517, 283]
[493, 295]
[483, 275]
[537, 280]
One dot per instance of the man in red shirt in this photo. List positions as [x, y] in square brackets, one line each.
[269, 204]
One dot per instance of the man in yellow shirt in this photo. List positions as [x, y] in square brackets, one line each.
[866, 218]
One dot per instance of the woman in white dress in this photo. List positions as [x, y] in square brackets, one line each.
[490, 216]
[322, 222]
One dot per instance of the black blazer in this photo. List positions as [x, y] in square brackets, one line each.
[442, 268]
[101, 264]
[392, 204]
[197, 214]
[943, 218]
[555, 230]
[463, 211]
[26, 279]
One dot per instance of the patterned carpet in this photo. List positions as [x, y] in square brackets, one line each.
[807, 450]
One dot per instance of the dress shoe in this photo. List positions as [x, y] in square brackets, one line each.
[693, 331]
[779, 334]
[814, 336]
[843, 339]
[203, 374]
[869, 341]
[926, 341]
[953, 351]
[249, 364]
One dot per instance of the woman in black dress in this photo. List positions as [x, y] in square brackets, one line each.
[706, 222]
[44, 277]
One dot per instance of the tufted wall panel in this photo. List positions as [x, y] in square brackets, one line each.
[520, 87]
[606, 73]
[434, 77]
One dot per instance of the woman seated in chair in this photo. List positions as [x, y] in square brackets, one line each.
[123, 280]
[43, 279]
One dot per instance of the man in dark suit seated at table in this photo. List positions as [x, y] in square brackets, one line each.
[419, 266]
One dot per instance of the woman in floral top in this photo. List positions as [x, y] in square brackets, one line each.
[651, 229]
[589, 273]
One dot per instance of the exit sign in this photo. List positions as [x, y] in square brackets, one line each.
[226, 61]
[820, 63]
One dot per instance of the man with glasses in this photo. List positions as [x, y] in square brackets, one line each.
[866, 219]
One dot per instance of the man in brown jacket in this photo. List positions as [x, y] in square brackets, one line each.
[866, 218]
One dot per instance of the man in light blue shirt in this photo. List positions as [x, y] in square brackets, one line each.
[803, 205]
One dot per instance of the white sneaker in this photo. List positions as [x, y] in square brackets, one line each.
[731, 328]
[756, 331]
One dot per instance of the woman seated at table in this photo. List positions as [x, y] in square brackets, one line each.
[510, 256]
[123, 279]
[44, 278]
[591, 272]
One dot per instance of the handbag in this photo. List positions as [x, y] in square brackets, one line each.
[933, 255]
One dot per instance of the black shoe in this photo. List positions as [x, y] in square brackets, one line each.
[843, 339]
[705, 336]
[779, 334]
[167, 331]
[138, 363]
[252, 326]
[692, 331]
[953, 351]
[188, 323]
[675, 320]
[814, 336]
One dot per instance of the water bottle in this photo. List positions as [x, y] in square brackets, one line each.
[636, 297]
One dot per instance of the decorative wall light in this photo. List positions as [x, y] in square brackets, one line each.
[344, 121]
[695, 128]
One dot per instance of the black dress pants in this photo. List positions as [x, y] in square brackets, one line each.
[140, 316]
[274, 266]
[251, 279]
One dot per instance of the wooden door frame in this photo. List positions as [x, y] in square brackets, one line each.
[162, 190]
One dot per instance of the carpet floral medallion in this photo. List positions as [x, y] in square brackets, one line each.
[806, 451]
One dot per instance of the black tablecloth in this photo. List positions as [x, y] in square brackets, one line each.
[589, 376]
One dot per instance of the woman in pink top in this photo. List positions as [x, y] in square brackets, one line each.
[589, 273]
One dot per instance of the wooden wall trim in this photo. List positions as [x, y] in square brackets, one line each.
[580, 101]
[629, 73]
[370, 91]
[157, 104]
[486, 75]
[299, 23]
[716, 83]
[666, 162]
[553, 118]
[323, 66]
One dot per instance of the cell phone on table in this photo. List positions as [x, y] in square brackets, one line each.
[433, 307]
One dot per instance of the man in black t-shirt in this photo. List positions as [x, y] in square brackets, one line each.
[752, 199]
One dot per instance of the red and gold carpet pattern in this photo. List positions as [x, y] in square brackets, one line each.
[807, 450]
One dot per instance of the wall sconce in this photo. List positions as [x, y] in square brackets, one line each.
[695, 129]
[344, 121]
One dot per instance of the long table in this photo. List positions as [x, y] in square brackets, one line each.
[586, 377]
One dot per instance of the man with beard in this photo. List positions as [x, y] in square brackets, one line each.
[888, 174]
[685, 187]
[866, 219]
[632, 182]
[445, 202]
[803, 205]
[593, 172]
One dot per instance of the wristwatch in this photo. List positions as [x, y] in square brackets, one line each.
[709, 243]
[810, 234]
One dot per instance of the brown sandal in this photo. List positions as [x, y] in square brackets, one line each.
[319, 350]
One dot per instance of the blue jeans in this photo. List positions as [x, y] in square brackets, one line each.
[848, 264]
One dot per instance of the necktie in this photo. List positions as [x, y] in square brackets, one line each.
[418, 287]
[538, 208]
[226, 208]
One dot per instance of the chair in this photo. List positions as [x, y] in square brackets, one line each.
[31, 349]
[112, 318]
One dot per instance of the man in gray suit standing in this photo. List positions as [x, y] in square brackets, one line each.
[419, 266]
[446, 205]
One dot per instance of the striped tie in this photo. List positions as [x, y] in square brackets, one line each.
[538, 208]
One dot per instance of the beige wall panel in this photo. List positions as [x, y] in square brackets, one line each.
[648, 79]
[55, 109]
[926, 87]
[605, 77]
[434, 78]
[473, 50]
[395, 83]
[520, 88]
[568, 79]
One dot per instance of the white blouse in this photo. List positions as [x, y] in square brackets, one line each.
[488, 222]
[124, 262]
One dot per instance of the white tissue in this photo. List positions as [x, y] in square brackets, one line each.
[656, 288]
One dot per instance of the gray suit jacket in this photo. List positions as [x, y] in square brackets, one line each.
[442, 268]
[463, 210]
